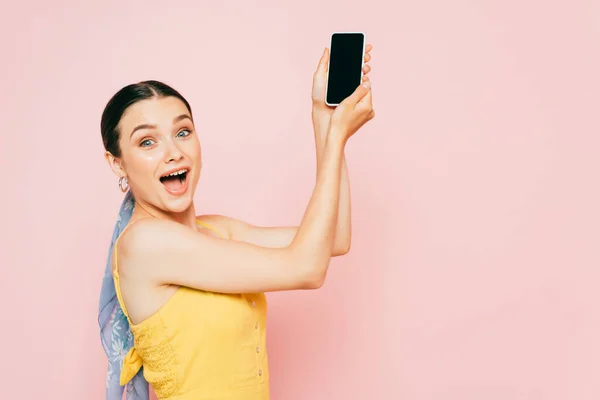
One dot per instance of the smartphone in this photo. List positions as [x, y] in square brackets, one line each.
[346, 60]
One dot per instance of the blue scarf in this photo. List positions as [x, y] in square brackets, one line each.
[115, 332]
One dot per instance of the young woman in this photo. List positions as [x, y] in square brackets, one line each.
[183, 304]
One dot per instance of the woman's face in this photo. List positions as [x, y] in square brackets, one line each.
[160, 153]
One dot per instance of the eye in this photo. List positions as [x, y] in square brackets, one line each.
[184, 133]
[146, 142]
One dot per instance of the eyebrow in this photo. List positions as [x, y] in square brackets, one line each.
[151, 126]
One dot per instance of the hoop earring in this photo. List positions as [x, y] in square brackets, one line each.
[126, 188]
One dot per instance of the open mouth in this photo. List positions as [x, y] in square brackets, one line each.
[175, 182]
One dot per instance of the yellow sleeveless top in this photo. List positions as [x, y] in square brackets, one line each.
[201, 345]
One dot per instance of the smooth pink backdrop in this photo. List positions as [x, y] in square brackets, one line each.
[474, 270]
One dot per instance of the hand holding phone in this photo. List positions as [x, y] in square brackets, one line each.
[345, 70]
[352, 113]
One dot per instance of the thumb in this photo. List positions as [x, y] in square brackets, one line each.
[359, 93]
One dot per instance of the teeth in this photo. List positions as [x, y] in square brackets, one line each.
[183, 171]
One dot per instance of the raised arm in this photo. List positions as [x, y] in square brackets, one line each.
[282, 236]
[169, 253]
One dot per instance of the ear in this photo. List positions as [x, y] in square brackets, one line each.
[116, 165]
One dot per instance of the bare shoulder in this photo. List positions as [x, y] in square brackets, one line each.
[147, 237]
[139, 232]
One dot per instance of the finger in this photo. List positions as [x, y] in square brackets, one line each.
[368, 48]
[365, 78]
[323, 61]
[367, 57]
[366, 69]
[359, 93]
[367, 100]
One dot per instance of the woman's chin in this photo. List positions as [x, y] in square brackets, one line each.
[178, 205]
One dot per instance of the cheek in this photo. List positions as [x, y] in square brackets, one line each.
[146, 162]
[152, 158]
[195, 152]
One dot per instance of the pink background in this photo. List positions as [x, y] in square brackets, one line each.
[474, 270]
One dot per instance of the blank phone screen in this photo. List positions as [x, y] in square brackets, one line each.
[345, 65]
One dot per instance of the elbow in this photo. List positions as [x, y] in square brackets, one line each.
[312, 267]
[315, 282]
[342, 249]
[315, 277]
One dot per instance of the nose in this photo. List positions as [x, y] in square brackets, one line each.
[173, 152]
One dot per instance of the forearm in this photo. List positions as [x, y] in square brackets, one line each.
[316, 233]
[343, 230]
